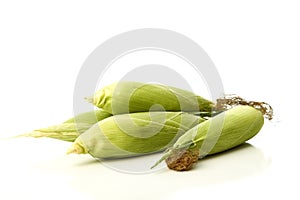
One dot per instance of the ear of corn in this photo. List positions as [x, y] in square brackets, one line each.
[220, 133]
[70, 129]
[130, 97]
[134, 134]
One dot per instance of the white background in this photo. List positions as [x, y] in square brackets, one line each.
[255, 46]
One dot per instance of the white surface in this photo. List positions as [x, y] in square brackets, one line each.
[255, 46]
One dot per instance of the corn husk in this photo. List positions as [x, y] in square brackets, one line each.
[130, 97]
[91, 117]
[134, 134]
[220, 133]
[71, 128]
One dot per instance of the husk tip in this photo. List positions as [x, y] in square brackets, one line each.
[34, 134]
[165, 156]
[89, 99]
[76, 149]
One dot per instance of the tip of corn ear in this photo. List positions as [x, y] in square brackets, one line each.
[183, 160]
[179, 160]
[89, 99]
[76, 149]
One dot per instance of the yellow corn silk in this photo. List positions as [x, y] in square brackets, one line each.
[220, 133]
[70, 129]
[134, 134]
[129, 97]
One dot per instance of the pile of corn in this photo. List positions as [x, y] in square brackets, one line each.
[135, 118]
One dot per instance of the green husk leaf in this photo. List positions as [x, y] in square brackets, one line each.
[70, 129]
[220, 133]
[136, 133]
[90, 117]
[130, 97]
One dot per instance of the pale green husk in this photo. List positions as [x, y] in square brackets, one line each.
[90, 117]
[70, 129]
[220, 133]
[134, 134]
[129, 97]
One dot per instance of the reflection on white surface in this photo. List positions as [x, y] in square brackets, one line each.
[242, 161]
[39, 169]
[135, 165]
[238, 162]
